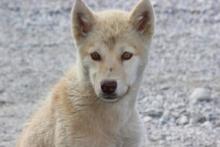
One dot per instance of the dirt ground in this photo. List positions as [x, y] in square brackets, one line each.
[36, 48]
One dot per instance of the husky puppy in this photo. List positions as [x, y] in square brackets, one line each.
[94, 104]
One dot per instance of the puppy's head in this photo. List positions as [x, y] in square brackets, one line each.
[112, 46]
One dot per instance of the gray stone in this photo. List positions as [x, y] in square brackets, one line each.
[182, 120]
[200, 94]
[154, 113]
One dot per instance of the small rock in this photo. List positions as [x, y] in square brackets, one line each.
[217, 124]
[154, 113]
[2, 103]
[199, 119]
[165, 118]
[207, 124]
[155, 135]
[182, 120]
[164, 88]
[2, 91]
[200, 94]
[147, 119]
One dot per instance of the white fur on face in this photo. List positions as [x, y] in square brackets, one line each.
[124, 72]
[131, 69]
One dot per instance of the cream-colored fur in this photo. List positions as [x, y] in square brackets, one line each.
[75, 114]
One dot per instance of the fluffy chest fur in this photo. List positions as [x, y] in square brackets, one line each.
[82, 116]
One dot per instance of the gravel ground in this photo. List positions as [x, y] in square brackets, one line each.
[180, 96]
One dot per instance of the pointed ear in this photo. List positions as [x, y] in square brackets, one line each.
[82, 20]
[142, 17]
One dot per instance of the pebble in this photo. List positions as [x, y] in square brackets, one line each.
[182, 120]
[200, 94]
[198, 118]
[154, 113]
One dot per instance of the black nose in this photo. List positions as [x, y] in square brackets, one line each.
[108, 87]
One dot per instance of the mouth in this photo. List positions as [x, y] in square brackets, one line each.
[109, 98]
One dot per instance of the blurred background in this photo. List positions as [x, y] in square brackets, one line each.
[180, 95]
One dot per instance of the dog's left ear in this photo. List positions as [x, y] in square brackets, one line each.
[82, 20]
[142, 17]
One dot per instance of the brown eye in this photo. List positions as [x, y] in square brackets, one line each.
[126, 56]
[95, 56]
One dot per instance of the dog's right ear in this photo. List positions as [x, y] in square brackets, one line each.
[82, 20]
